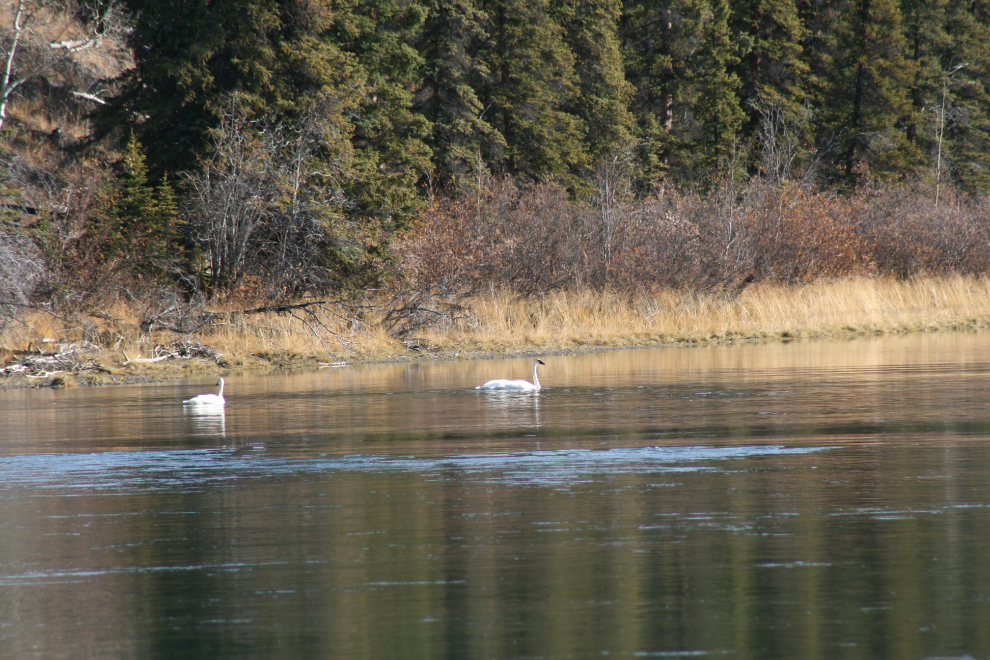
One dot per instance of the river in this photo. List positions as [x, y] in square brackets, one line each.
[788, 500]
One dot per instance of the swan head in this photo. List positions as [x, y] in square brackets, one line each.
[539, 361]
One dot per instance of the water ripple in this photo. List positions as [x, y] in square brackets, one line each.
[149, 470]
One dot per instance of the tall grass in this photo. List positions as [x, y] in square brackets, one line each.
[502, 321]
[841, 307]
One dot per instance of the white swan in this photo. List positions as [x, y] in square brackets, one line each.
[208, 399]
[515, 385]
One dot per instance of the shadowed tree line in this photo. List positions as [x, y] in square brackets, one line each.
[279, 149]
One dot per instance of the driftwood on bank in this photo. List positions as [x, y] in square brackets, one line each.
[183, 349]
[74, 358]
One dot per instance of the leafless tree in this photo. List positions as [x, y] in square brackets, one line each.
[266, 204]
[21, 267]
[39, 35]
[612, 193]
[780, 139]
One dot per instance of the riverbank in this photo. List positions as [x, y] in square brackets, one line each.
[48, 351]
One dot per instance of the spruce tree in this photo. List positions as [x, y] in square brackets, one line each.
[602, 101]
[964, 97]
[771, 69]
[661, 44]
[860, 83]
[719, 107]
[450, 43]
[142, 220]
[531, 86]
[282, 58]
[188, 55]
[390, 153]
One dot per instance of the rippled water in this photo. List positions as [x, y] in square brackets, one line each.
[811, 499]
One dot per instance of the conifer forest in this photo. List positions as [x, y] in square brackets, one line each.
[168, 153]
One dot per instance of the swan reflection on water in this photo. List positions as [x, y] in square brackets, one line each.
[511, 408]
[207, 420]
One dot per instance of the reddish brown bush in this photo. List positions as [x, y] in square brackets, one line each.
[796, 235]
[535, 240]
[910, 235]
[529, 239]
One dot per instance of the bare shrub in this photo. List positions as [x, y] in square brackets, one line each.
[65, 206]
[527, 238]
[668, 242]
[534, 240]
[910, 235]
[264, 209]
[611, 201]
[796, 235]
[21, 268]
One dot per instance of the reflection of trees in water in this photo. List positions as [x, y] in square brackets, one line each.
[512, 409]
[205, 420]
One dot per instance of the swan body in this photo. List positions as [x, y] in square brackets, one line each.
[208, 399]
[515, 385]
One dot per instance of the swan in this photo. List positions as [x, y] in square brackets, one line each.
[208, 399]
[515, 385]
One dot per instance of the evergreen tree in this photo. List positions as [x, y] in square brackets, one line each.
[188, 55]
[282, 58]
[661, 41]
[770, 69]
[390, 152]
[719, 108]
[602, 101]
[531, 86]
[860, 82]
[143, 219]
[451, 39]
[963, 102]
[926, 41]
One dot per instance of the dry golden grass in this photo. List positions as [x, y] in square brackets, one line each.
[503, 323]
[826, 308]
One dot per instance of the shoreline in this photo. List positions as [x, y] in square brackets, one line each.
[503, 325]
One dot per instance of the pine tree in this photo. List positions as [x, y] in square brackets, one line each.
[390, 152]
[142, 219]
[188, 55]
[452, 35]
[771, 69]
[719, 108]
[963, 102]
[602, 101]
[661, 43]
[861, 84]
[532, 84]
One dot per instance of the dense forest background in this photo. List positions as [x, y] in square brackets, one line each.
[279, 149]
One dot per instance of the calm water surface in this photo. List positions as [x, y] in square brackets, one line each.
[803, 500]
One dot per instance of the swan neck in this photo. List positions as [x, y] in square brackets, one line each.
[220, 393]
[536, 380]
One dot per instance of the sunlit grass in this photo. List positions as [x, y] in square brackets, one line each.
[840, 307]
[501, 322]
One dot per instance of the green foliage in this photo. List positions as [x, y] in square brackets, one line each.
[280, 56]
[863, 88]
[452, 71]
[662, 42]
[409, 97]
[719, 107]
[770, 69]
[530, 90]
[603, 96]
[947, 41]
[143, 219]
